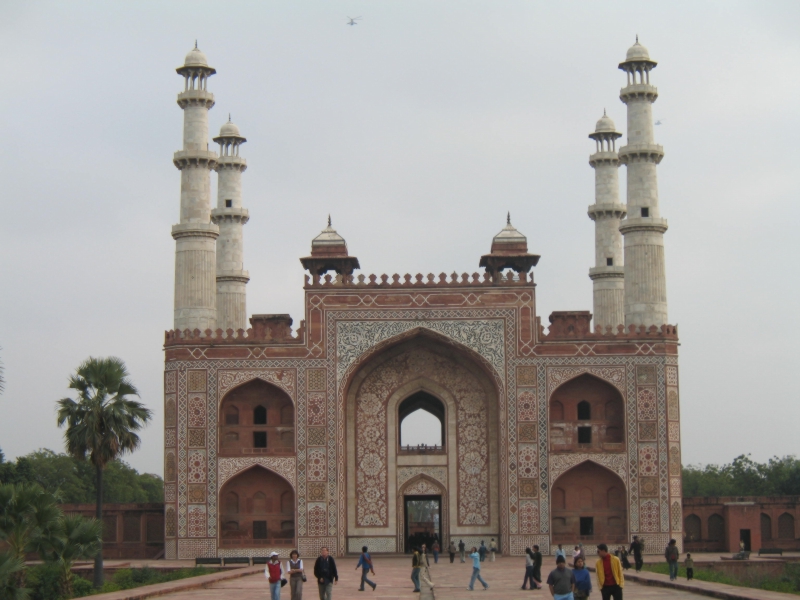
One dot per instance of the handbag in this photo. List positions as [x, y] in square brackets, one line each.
[303, 577]
[283, 582]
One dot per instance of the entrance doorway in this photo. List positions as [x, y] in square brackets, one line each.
[423, 519]
[744, 535]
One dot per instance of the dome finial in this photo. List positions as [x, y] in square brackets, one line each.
[637, 38]
[508, 218]
[329, 219]
[229, 117]
[195, 44]
[604, 113]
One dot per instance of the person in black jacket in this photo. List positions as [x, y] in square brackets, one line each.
[636, 549]
[326, 574]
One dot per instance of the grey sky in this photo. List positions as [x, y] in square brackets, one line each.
[417, 130]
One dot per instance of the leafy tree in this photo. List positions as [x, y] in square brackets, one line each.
[28, 518]
[74, 538]
[10, 568]
[744, 477]
[102, 423]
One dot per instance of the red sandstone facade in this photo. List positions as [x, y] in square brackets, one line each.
[133, 530]
[277, 439]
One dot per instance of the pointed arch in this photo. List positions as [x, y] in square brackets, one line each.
[255, 410]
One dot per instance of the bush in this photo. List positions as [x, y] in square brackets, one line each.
[81, 587]
[43, 582]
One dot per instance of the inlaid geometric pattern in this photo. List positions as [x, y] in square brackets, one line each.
[528, 488]
[170, 468]
[317, 518]
[170, 493]
[285, 466]
[406, 473]
[675, 488]
[192, 548]
[526, 377]
[520, 542]
[197, 466]
[560, 464]
[196, 381]
[526, 405]
[674, 460]
[646, 403]
[648, 431]
[527, 432]
[674, 432]
[316, 436]
[528, 516]
[316, 464]
[316, 408]
[282, 378]
[672, 375]
[315, 380]
[170, 522]
[197, 493]
[676, 516]
[170, 438]
[169, 411]
[648, 487]
[646, 375]
[648, 516]
[316, 492]
[197, 410]
[197, 438]
[170, 382]
[672, 405]
[375, 544]
[310, 547]
[527, 460]
[648, 455]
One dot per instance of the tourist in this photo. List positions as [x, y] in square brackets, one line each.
[560, 552]
[424, 553]
[452, 550]
[528, 570]
[583, 581]
[609, 574]
[326, 574]
[476, 570]
[274, 574]
[561, 581]
[537, 566]
[689, 564]
[482, 551]
[672, 555]
[297, 575]
[435, 548]
[636, 549]
[576, 554]
[492, 548]
[462, 548]
[623, 556]
[425, 563]
[416, 564]
[365, 562]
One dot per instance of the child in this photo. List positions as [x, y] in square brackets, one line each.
[689, 564]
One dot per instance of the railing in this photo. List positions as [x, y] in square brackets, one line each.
[422, 449]
[249, 542]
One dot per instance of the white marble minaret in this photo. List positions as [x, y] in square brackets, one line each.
[607, 274]
[195, 235]
[230, 217]
[643, 230]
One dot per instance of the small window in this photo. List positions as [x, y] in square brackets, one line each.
[645, 211]
[584, 435]
[259, 439]
[259, 530]
[587, 525]
[228, 203]
[260, 416]
[584, 411]
[609, 262]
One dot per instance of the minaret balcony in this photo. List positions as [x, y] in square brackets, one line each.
[609, 211]
[641, 153]
[194, 158]
[604, 158]
[231, 214]
[604, 272]
[195, 230]
[231, 162]
[646, 224]
[196, 98]
[639, 91]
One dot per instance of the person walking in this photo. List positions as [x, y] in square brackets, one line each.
[528, 570]
[424, 570]
[482, 551]
[561, 581]
[435, 547]
[416, 565]
[365, 563]
[623, 556]
[492, 548]
[452, 550]
[636, 549]
[537, 566]
[297, 575]
[583, 580]
[476, 570]
[462, 547]
[326, 574]
[609, 574]
[689, 564]
[672, 555]
[274, 574]
[560, 552]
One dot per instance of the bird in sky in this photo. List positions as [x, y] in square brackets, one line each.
[659, 121]
[353, 20]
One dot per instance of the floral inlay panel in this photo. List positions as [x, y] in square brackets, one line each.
[371, 437]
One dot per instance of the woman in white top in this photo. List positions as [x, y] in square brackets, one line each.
[297, 575]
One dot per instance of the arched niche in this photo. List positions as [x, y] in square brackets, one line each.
[586, 414]
[256, 418]
[428, 414]
[255, 507]
[589, 506]
[373, 393]
[692, 527]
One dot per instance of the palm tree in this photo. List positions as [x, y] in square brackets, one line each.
[10, 567]
[28, 518]
[101, 423]
[74, 538]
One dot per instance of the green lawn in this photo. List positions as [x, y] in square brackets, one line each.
[789, 582]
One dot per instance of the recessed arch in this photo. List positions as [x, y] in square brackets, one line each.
[256, 412]
[588, 505]
[692, 526]
[786, 526]
[260, 502]
[434, 425]
[586, 414]
[766, 527]
[716, 528]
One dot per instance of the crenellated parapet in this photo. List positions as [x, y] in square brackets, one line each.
[443, 280]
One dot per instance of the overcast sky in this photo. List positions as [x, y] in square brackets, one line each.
[417, 130]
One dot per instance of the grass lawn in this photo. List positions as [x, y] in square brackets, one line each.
[789, 582]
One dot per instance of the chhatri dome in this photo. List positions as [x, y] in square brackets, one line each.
[195, 58]
[637, 52]
[509, 235]
[327, 239]
[230, 130]
[605, 125]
